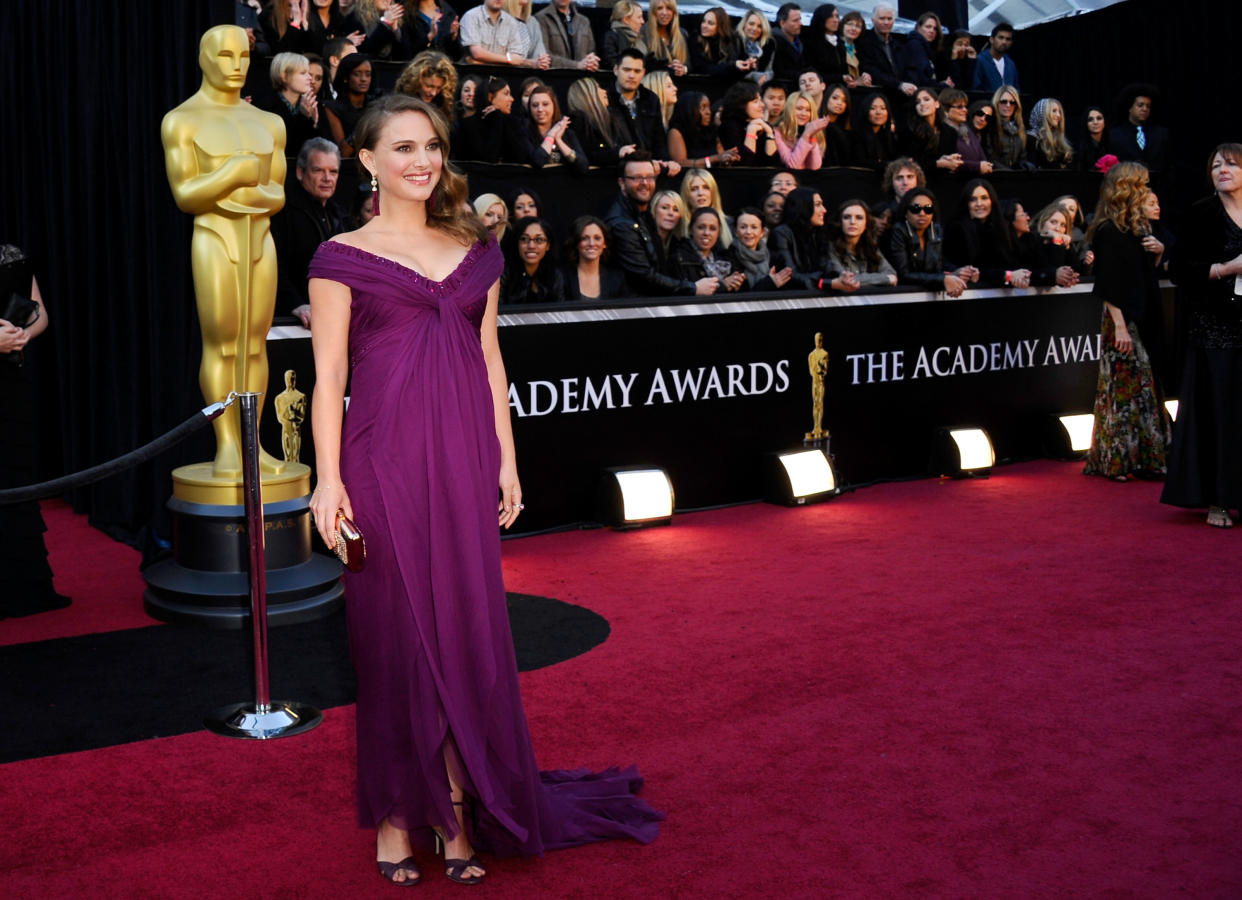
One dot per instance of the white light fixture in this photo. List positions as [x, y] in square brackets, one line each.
[974, 448]
[636, 496]
[803, 476]
[1171, 406]
[1078, 428]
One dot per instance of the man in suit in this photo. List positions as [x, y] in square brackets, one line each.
[787, 61]
[879, 51]
[994, 67]
[1136, 140]
[567, 36]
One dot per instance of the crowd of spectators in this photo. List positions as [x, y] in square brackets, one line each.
[792, 97]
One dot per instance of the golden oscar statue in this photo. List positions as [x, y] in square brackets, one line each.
[291, 413]
[817, 362]
[226, 166]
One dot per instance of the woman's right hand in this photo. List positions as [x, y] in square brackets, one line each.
[953, 286]
[781, 277]
[324, 504]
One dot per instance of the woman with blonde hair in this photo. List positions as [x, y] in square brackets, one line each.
[1046, 144]
[799, 135]
[588, 110]
[1131, 432]
[385, 43]
[294, 101]
[1006, 143]
[667, 42]
[755, 34]
[623, 31]
[493, 213]
[432, 78]
[661, 84]
[698, 189]
[521, 10]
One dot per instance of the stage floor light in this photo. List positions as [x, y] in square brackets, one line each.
[632, 497]
[962, 452]
[798, 477]
[1078, 429]
[1171, 407]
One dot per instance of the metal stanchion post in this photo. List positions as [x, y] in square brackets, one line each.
[262, 719]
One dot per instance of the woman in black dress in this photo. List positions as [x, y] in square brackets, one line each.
[588, 275]
[23, 555]
[552, 140]
[742, 125]
[353, 93]
[531, 274]
[874, 140]
[1130, 434]
[1205, 466]
[822, 47]
[1095, 142]
[927, 139]
[800, 243]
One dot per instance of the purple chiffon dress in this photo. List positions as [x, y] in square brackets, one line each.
[428, 623]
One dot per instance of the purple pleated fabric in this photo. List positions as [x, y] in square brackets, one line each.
[428, 625]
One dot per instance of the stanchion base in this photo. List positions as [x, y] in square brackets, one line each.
[243, 720]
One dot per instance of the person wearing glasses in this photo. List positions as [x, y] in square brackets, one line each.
[531, 274]
[916, 244]
[1006, 144]
[971, 132]
[638, 249]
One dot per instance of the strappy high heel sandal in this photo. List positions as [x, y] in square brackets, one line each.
[389, 870]
[456, 869]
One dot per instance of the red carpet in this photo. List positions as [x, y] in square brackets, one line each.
[1020, 687]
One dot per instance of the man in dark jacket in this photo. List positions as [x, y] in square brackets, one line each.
[879, 51]
[636, 246]
[787, 61]
[635, 111]
[1136, 139]
[309, 218]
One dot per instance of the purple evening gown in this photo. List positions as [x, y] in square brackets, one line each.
[428, 624]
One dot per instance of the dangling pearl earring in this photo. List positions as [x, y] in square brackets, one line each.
[374, 195]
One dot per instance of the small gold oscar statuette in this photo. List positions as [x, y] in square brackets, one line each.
[817, 362]
[291, 413]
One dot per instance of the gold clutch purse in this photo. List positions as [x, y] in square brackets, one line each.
[349, 546]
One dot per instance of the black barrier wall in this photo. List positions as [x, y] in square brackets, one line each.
[704, 390]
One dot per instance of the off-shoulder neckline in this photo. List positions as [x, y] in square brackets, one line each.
[350, 249]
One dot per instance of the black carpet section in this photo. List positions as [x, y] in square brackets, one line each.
[98, 690]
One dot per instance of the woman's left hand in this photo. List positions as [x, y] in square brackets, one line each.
[510, 505]
[1152, 245]
[12, 338]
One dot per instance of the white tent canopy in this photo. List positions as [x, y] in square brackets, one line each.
[983, 13]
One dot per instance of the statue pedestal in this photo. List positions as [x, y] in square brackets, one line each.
[206, 582]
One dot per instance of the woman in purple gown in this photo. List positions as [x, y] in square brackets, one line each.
[406, 306]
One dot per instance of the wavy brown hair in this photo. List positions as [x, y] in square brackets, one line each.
[1121, 198]
[429, 64]
[447, 207]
